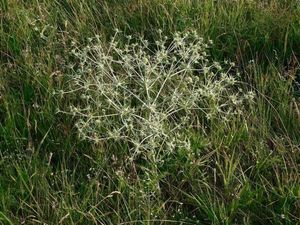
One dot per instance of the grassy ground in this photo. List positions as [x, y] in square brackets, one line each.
[242, 172]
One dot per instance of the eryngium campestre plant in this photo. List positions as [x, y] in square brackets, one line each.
[149, 95]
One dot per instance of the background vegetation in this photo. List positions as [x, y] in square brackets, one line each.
[240, 173]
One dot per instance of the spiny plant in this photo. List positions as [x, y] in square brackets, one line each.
[148, 96]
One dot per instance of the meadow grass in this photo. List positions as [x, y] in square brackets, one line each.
[241, 171]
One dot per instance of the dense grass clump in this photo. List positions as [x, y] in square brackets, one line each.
[189, 115]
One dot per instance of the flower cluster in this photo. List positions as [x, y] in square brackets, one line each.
[148, 95]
